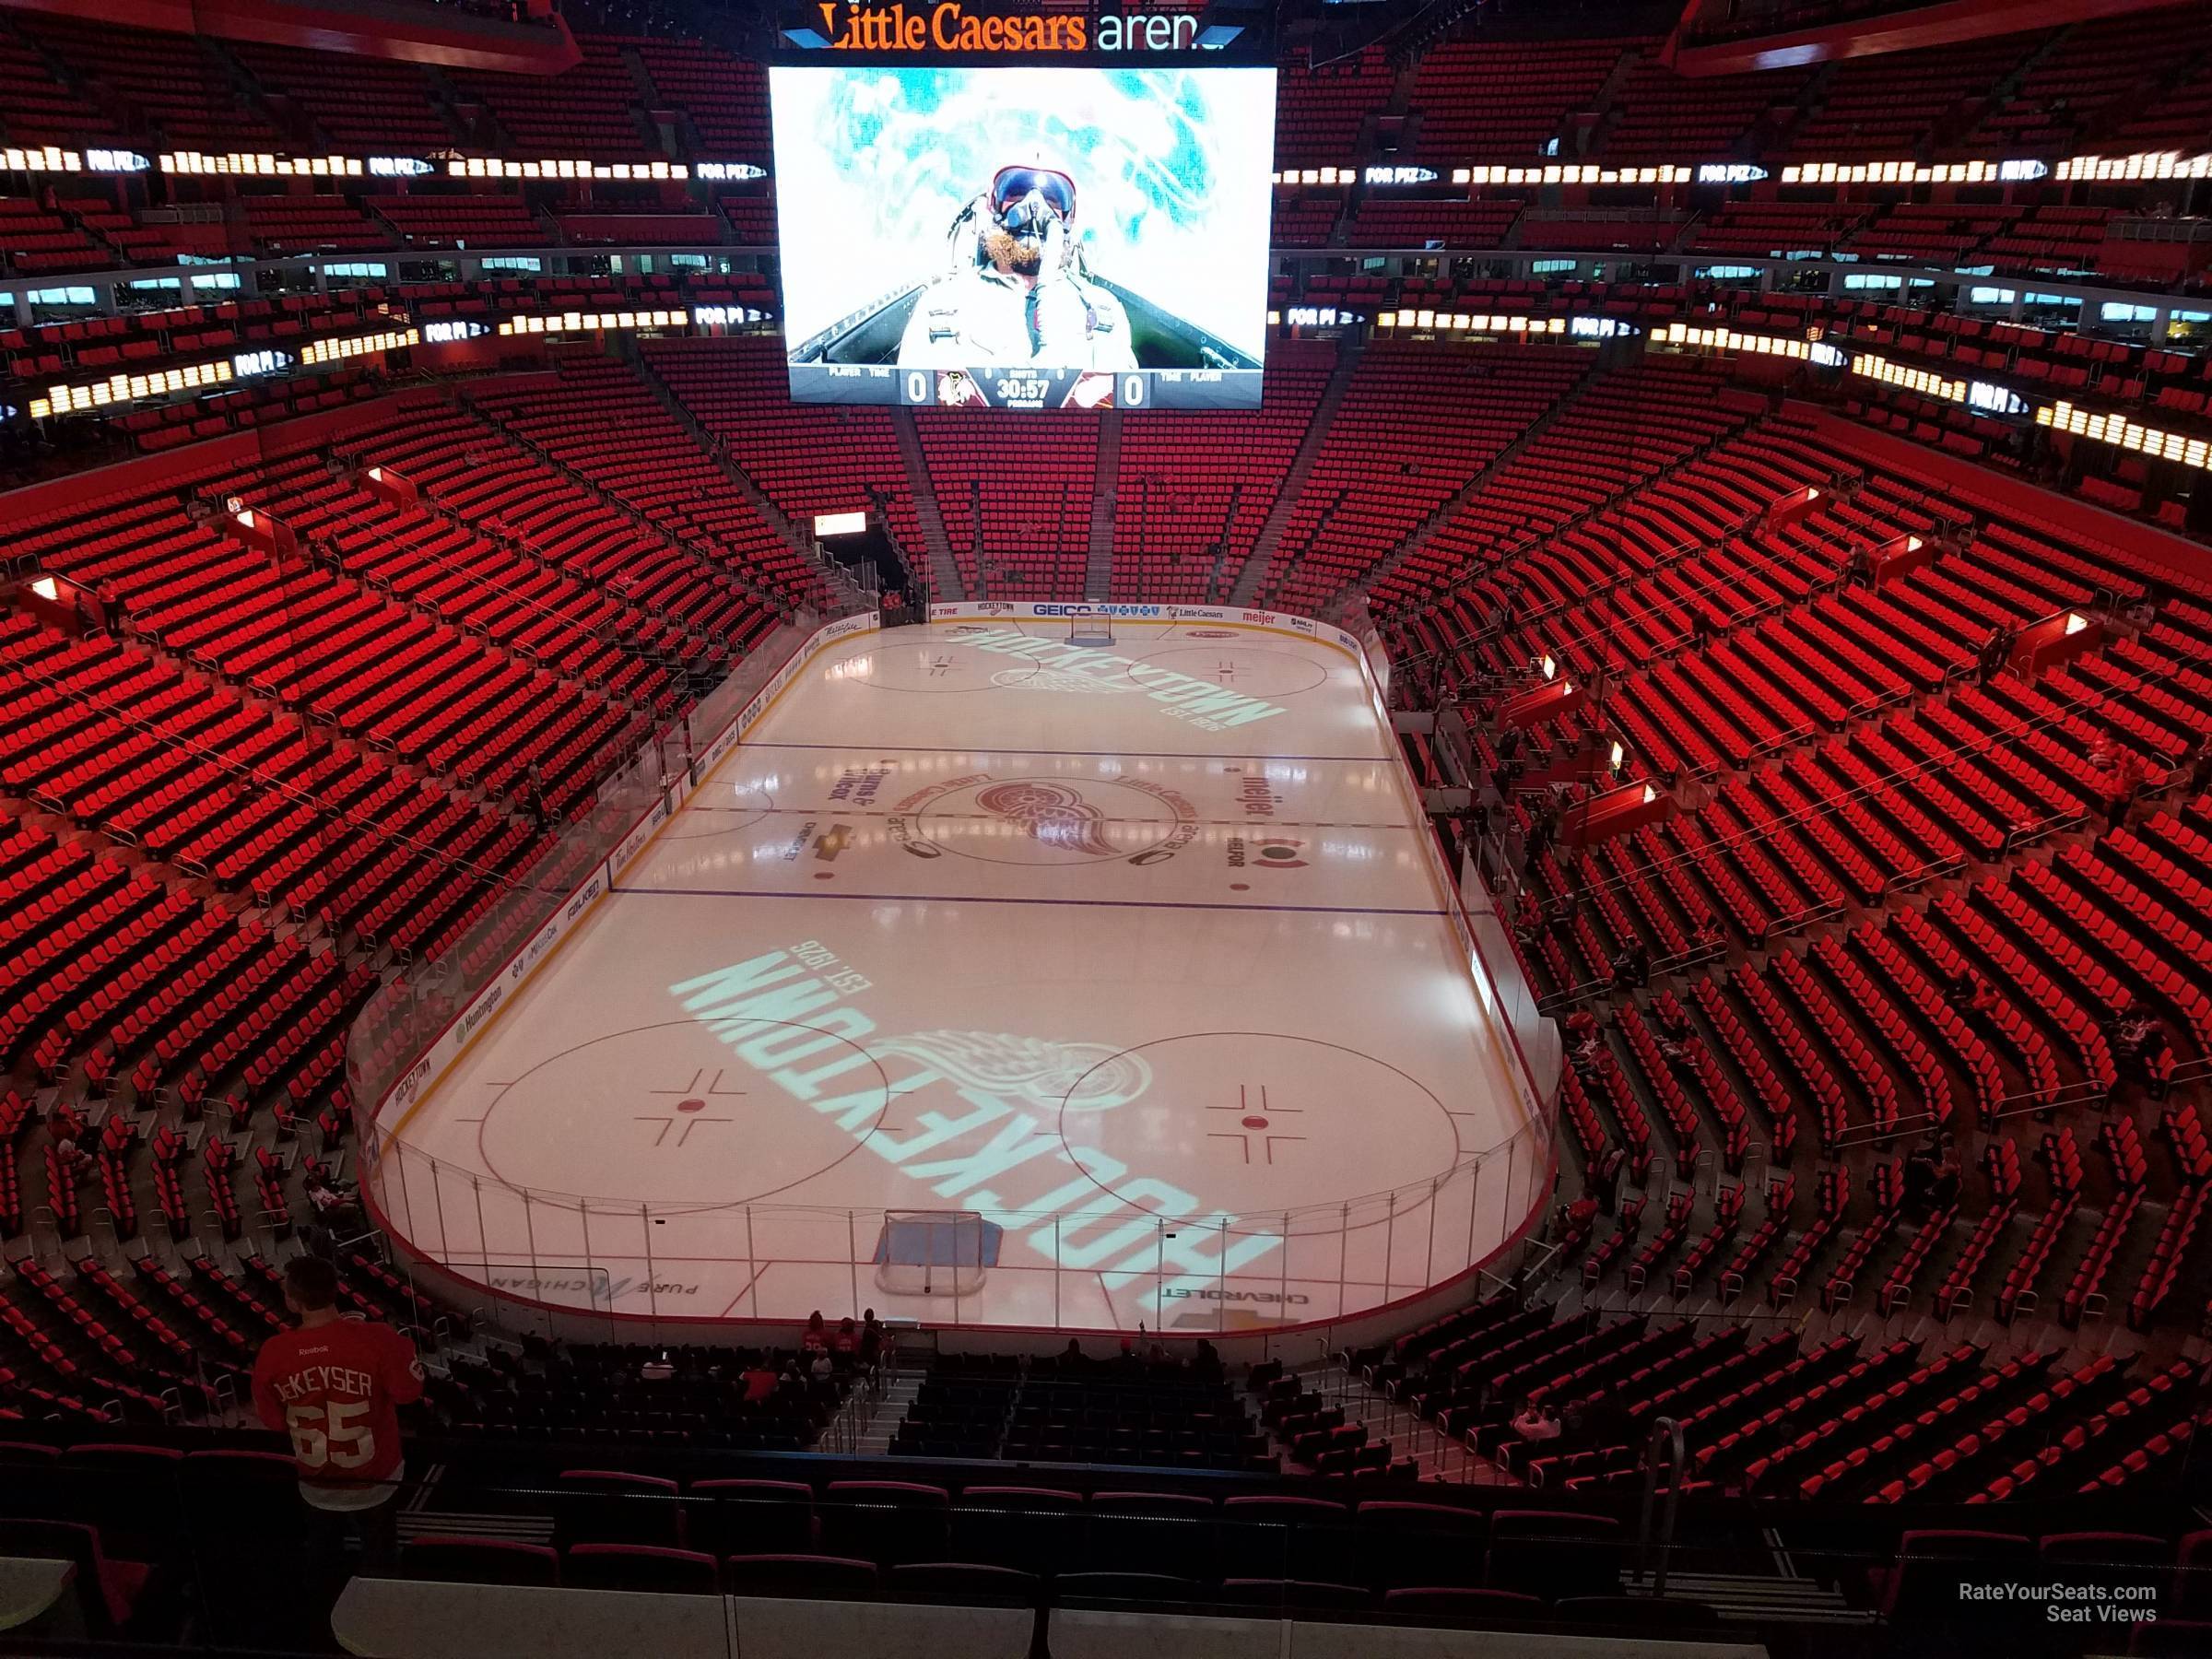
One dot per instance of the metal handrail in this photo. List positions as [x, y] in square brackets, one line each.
[1668, 1439]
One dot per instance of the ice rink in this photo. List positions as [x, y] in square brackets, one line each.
[1135, 950]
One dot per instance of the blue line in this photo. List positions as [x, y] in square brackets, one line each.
[1001, 749]
[1317, 909]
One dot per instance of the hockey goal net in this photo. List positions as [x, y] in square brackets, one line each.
[934, 1253]
[1089, 631]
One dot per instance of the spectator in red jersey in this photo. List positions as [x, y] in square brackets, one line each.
[2120, 779]
[759, 1380]
[333, 1385]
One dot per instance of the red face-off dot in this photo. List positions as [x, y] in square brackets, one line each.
[1254, 1123]
[824, 874]
[1239, 886]
[690, 1105]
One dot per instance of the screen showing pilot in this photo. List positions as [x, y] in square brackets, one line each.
[1016, 295]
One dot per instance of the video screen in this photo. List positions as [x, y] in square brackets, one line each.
[1024, 238]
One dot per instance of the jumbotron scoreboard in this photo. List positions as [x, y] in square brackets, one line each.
[1009, 209]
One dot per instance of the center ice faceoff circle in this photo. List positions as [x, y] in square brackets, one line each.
[1034, 821]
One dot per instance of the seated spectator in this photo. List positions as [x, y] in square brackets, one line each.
[334, 1205]
[71, 1162]
[1537, 1422]
[1577, 1217]
[1632, 967]
[1967, 989]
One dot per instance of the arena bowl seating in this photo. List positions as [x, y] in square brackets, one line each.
[1883, 1138]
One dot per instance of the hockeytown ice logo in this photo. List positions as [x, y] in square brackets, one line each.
[988, 1135]
[1062, 665]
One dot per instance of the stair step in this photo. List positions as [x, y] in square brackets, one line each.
[1752, 1595]
[449, 1523]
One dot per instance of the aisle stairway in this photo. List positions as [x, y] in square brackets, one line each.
[1098, 573]
[944, 570]
[874, 1432]
[1474, 487]
[1262, 557]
